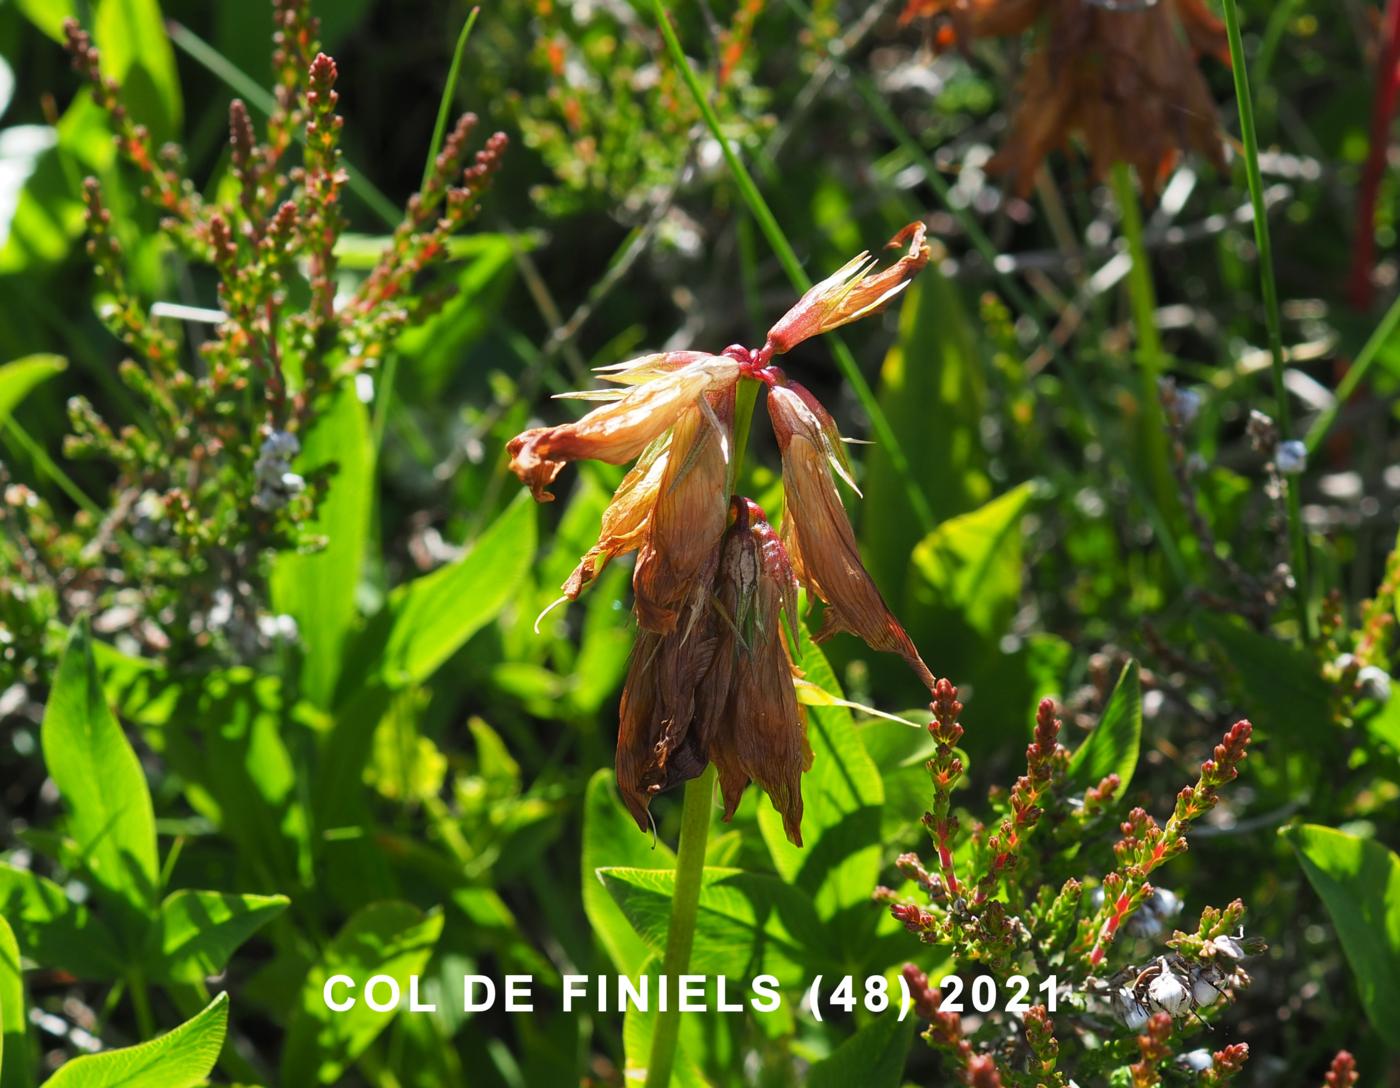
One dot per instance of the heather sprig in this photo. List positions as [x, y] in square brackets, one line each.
[211, 461]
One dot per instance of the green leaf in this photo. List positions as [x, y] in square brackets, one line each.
[842, 796]
[16, 1060]
[182, 1058]
[318, 589]
[747, 924]
[102, 785]
[48, 15]
[610, 837]
[972, 563]
[873, 1057]
[1112, 748]
[429, 619]
[1359, 882]
[22, 375]
[52, 929]
[198, 931]
[1281, 686]
[932, 390]
[386, 938]
[137, 53]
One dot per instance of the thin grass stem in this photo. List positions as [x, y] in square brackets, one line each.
[1297, 538]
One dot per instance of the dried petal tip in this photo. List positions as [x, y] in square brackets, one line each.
[619, 431]
[818, 535]
[852, 292]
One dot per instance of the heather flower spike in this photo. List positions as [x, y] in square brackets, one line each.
[712, 679]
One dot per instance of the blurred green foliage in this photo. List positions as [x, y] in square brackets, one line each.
[378, 759]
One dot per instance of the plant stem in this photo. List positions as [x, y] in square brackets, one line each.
[1142, 295]
[141, 1001]
[695, 824]
[1351, 380]
[685, 905]
[1298, 543]
[783, 250]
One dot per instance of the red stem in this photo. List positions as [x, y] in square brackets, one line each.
[1359, 288]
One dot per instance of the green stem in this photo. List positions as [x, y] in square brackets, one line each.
[1298, 543]
[1352, 379]
[787, 257]
[695, 825]
[1142, 295]
[141, 1001]
[685, 905]
[46, 464]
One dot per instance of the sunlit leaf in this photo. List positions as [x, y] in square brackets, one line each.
[388, 938]
[1112, 747]
[198, 931]
[318, 589]
[182, 1058]
[102, 786]
[1359, 882]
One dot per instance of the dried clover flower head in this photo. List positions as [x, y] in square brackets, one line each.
[711, 678]
[1123, 79]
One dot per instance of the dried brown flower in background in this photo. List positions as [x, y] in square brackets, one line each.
[1121, 78]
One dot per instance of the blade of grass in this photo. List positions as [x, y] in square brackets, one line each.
[787, 257]
[1355, 374]
[449, 93]
[384, 395]
[1297, 539]
[257, 96]
[1142, 295]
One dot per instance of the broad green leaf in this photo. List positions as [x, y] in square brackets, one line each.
[932, 390]
[972, 564]
[427, 620]
[386, 938]
[102, 785]
[318, 589]
[611, 838]
[198, 931]
[16, 1060]
[22, 375]
[225, 734]
[1112, 747]
[873, 1057]
[136, 52]
[182, 1058]
[1358, 881]
[842, 796]
[52, 929]
[1280, 684]
[747, 924]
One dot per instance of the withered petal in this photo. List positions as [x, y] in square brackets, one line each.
[618, 431]
[821, 543]
[851, 293]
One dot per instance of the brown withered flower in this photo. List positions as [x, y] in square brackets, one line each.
[711, 678]
[1120, 75]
